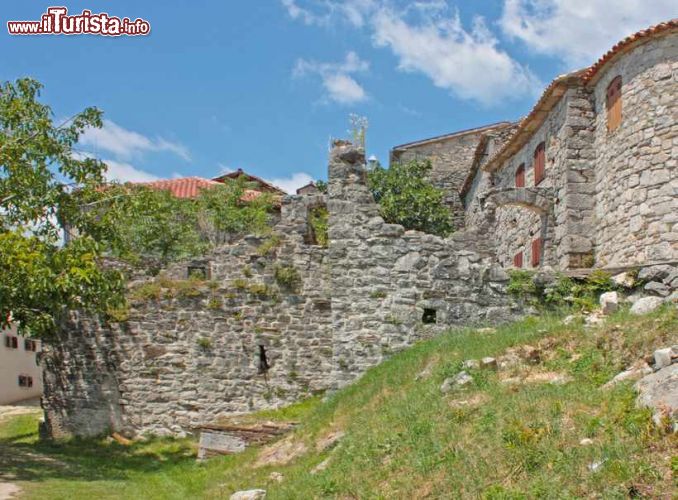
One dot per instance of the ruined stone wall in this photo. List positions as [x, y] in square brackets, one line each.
[392, 287]
[635, 168]
[191, 350]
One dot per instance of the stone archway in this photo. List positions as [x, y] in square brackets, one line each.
[534, 199]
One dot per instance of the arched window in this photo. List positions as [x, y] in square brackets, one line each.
[614, 104]
[539, 163]
[520, 176]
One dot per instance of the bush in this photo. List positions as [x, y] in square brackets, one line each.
[318, 220]
[407, 197]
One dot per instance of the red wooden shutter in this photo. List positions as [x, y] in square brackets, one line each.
[614, 104]
[520, 176]
[518, 260]
[536, 252]
[539, 162]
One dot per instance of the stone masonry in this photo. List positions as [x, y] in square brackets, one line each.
[276, 318]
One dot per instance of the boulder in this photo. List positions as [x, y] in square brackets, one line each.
[488, 363]
[460, 379]
[646, 305]
[662, 358]
[249, 495]
[624, 279]
[609, 302]
[633, 373]
[659, 391]
[471, 364]
[658, 288]
[656, 273]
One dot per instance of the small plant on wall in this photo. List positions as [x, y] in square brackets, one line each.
[287, 277]
[318, 219]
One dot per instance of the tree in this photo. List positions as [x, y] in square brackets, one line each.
[407, 197]
[46, 186]
[39, 172]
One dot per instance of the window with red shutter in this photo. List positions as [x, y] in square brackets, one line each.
[539, 163]
[536, 252]
[520, 176]
[518, 260]
[614, 104]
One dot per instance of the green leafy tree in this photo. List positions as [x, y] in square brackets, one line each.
[39, 172]
[406, 197]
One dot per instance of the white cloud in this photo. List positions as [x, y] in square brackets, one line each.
[468, 63]
[341, 87]
[426, 38]
[124, 172]
[120, 171]
[324, 12]
[580, 31]
[126, 144]
[292, 183]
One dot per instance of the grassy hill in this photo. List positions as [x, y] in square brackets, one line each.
[541, 428]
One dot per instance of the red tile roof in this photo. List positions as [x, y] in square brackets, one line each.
[626, 44]
[185, 187]
[189, 187]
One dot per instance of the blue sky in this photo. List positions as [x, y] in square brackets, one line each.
[262, 85]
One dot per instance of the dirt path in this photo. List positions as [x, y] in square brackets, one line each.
[10, 490]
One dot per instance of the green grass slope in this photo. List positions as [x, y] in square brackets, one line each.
[403, 438]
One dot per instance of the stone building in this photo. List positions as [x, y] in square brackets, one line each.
[587, 179]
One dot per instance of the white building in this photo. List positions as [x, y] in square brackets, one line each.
[20, 375]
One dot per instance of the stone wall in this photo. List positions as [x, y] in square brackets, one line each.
[191, 350]
[636, 174]
[392, 287]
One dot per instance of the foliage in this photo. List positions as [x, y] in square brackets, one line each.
[581, 293]
[321, 185]
[287, 276]
[269, 245]
[521, 283]
[41, 278]
[407, 197]
[318, 219]
[204, 343]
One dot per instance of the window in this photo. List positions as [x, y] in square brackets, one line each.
[429, 317]
[520, 176]
[11, 342]
[614, 104]
[30, 345]
[25, 381]
[539, 163]
[518, 260]
[536, 252]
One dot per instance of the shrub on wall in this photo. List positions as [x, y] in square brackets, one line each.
[407, 197]
[318, 220]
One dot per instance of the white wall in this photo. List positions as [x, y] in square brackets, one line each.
[15, 362]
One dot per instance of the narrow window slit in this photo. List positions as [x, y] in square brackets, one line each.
[429, 316]
[263, 361]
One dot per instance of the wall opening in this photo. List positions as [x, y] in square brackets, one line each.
[263, 360]
[429, 317]
[197, 272]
